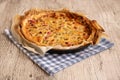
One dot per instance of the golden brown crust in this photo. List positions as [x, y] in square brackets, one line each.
[78, 30]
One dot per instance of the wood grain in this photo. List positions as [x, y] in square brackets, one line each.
[14, 65]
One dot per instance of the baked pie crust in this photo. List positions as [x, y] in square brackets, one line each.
[42, 30]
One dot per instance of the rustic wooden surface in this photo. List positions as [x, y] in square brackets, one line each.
[14, 65]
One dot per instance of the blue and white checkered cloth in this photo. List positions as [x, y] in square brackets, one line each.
[53, 63]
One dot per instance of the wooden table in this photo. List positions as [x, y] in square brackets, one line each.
[14, 65]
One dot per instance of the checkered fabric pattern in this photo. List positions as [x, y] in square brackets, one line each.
[53, 63]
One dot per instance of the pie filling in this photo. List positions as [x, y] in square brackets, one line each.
[51, 28]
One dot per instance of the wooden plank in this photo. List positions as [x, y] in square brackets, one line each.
[14, 65]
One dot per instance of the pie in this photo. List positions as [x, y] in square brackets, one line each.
[51, 29]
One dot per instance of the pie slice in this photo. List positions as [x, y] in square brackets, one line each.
[43, 30]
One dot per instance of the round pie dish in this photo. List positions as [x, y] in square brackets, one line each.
[43, 30]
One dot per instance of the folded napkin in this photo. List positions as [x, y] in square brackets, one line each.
[54, 62]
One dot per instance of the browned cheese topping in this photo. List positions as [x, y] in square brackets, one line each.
[51, 28]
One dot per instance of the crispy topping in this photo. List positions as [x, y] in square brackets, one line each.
[56, 28]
